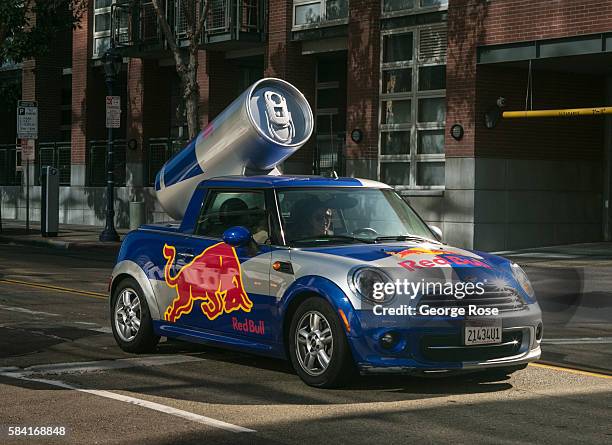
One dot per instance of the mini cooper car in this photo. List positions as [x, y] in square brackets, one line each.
[335, 274]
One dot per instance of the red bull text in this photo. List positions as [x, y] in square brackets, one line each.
[439, 258]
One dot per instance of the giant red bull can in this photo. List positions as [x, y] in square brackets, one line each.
[260, 129]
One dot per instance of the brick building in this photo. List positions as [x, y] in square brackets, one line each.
[387, 79]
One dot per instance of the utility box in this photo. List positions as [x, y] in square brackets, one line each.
[137, 214]
[49, 201]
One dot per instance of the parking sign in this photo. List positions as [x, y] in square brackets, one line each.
[113, 111]
[27, 119]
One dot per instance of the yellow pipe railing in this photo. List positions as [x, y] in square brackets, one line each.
[571, 112]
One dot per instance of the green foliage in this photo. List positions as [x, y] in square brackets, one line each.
[28, 27]
[10, 92]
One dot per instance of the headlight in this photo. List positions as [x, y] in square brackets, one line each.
[371, 284]
[521, 277]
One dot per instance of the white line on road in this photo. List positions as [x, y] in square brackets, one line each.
[26, 311]
[104, 365]
[140, 402]
[577, 340]
[94, 327]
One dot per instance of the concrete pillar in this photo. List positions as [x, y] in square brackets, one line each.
[607, 191]
[362, 92]
[81, 80]
[134, 122]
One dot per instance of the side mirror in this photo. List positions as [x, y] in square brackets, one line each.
[237, 236]
[437, 232]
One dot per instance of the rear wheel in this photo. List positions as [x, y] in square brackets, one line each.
[318, 347]
[130, 318]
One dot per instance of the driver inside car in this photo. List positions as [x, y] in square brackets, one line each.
[311, 218]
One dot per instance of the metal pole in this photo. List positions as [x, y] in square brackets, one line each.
[570, 112]
[109, 233]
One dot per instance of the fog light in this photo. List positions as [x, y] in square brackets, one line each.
[388, 340]
[539, 331]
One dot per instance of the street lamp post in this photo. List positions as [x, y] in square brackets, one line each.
[112, 66]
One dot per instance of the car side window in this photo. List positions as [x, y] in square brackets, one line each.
[225, 209]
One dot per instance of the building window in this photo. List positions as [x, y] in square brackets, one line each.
[309, 13]
[104, 15]
[102, 27]
[390, 7]
[413, 107]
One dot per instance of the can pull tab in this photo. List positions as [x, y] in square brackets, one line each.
[280, 123]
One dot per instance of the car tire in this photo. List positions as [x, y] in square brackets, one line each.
[318, 347]
[131, 319]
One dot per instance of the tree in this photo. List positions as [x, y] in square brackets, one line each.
[28, 27]
[186, 57]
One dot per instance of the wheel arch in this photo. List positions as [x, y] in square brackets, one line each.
[129, 269]
[309, 287]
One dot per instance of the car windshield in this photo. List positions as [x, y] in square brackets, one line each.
[347, 215]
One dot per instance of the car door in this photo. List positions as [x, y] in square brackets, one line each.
[228, 287]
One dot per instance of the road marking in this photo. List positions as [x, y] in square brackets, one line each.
[104, 365]
[56, 288]
[571, 370]
[577, 340]
[140, 402]
[94, 327]
[26, 311]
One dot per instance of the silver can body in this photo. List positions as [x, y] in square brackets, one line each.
[265, 125]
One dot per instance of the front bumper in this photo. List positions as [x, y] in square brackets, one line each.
[435, 345]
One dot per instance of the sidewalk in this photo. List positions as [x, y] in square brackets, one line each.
[69, 236]
[597, 253]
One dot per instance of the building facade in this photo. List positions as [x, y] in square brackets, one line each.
[387, 81]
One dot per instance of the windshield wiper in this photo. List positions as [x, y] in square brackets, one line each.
[332, 237]
[400, 238]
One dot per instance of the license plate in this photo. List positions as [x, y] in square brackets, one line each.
[482, 332]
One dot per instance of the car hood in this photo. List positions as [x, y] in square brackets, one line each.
[411, 261]
[391, 254]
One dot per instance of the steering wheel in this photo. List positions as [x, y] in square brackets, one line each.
[366, 231]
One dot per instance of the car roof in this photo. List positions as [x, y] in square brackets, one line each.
[274, 181]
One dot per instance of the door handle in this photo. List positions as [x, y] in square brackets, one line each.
[185, 255]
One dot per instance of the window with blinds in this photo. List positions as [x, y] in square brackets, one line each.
[392, 7]
[413, 107]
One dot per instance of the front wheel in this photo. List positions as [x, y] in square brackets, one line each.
[318, 347]
[130, 318]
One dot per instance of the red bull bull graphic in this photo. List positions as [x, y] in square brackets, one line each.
[438, 258]
[213, 278]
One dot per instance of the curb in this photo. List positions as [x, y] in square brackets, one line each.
[57, 244]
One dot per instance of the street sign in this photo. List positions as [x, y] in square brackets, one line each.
[28, 152]
[27, 119]
[113, 111]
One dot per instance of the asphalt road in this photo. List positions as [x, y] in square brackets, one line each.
[60, 367]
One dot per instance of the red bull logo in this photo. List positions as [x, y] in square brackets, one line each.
[213, 278]
[438, 258]
[416, 251]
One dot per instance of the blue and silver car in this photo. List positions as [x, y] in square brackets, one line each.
[338, 275]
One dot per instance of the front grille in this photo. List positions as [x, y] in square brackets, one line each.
[449, 348]
[506, 299]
